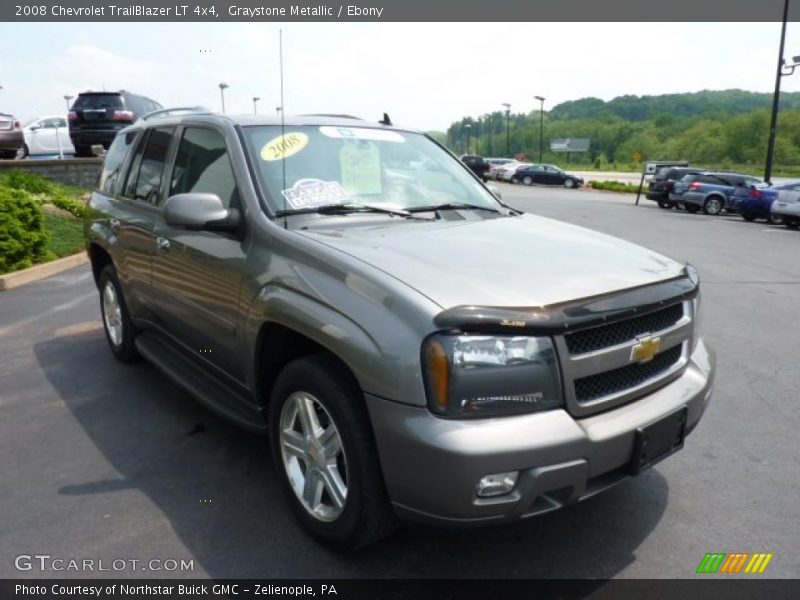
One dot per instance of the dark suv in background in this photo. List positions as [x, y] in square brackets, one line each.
[477, 165]
[96, 117]
[663, 182]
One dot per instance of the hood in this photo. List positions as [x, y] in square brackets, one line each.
[511, 261]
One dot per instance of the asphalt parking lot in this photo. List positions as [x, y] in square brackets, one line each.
[109, 461]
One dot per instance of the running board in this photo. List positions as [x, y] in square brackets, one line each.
[220, 397]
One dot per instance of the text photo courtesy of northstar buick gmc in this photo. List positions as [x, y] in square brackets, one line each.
[371, 305]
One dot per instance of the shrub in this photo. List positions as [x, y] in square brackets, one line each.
[68, 203]
[615, 186]
[22, 180]
[22, 233]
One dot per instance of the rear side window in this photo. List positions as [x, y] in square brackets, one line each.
[711, 179]
[97, 101]
[202, 165]
[112, 165]
[144, 178]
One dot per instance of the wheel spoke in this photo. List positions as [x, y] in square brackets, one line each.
[292, 443]
[331, 442]
[312, 489]
[336, 488]
[308, 416]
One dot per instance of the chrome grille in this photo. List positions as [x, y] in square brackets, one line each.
[597, 365]
[604, 384]
[595, 338]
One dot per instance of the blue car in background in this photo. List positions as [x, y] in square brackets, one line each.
[709, 191]
[754, 201]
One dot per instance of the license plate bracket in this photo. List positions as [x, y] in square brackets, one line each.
[658, 440]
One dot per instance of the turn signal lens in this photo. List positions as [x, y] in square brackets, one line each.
[438, 373]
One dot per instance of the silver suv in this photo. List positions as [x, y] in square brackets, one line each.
[413, 347]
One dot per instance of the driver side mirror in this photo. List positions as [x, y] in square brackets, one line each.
[200, 211]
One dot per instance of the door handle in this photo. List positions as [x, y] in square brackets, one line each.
[114, 225]
[163, 244]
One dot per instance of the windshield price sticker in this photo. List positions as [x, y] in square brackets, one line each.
[312, 193]
[360, 163]
[362, 133]
[284, 146]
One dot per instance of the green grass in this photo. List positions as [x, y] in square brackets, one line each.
[617, 186]
[66, 235]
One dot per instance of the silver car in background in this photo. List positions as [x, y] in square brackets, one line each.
[787, 206]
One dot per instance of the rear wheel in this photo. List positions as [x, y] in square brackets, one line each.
[120, 332]
[527, 180]
[748, 216]
[83, 151]
[713, 205]
[324, 451]
[664, 204]
[691, 208]
[791, 223]
[8, 154]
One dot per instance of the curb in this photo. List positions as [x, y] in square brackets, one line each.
[37, 272]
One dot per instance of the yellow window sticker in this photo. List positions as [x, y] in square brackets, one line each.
[361, 168]
[284, 146]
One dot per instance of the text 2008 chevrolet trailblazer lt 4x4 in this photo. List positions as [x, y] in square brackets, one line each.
[413, 347]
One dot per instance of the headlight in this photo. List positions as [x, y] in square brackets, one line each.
[483, 376]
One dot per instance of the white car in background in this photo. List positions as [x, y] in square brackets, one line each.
[787, 206]
[506, 172]
[46, 136]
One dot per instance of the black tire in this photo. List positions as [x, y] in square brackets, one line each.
[124, 349]
[713, 205]
[569, 183]
[83, 151]
[691, 208]
[664, 204]
[367, 515]
[791, 223]
[527, 180]
[748, 216]
[8, 154]
[22, 152]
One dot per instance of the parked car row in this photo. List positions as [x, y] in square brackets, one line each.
[94, 118]
[513, 171]
[713, 192]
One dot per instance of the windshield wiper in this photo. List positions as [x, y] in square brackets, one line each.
[451, 206]
[343, 209]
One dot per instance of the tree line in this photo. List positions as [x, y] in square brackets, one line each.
[712, 128]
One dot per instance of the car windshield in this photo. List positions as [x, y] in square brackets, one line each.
[309, 167]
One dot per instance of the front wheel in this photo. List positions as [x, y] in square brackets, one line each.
[22, 152]
[748, 216]
[691, 208]
[712, 206]
[569, 183]
[120, 331]
[323, 449]
[664, 204]
[775, 219]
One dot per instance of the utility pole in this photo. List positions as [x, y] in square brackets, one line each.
[776, 98]
[508, 128]
[541, 124]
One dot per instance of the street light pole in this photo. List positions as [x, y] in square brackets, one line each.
[468, 127]
[491, 124]
[222, 88]
[776, 97]
[255, 102]
[541, 100]
[508, 128]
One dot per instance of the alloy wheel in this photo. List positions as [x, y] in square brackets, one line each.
[112, 314]
[313, 456]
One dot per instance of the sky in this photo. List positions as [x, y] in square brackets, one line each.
[425, 75]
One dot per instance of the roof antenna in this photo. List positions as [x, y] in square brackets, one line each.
[283, 127]
[386, 120]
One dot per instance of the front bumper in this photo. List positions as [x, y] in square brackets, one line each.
[432, 465]
[82, 137]
[785, 209]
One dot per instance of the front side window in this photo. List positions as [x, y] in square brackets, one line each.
[202, 165]
[312, 166]
[144, 179]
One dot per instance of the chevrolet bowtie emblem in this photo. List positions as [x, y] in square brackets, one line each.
[646, 349]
